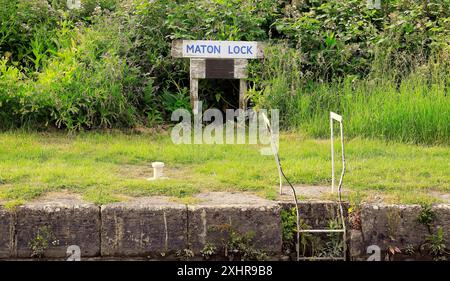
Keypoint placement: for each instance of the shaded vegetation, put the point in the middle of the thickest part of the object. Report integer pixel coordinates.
(108, 64)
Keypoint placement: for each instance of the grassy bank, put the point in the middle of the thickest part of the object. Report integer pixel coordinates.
(112, 167)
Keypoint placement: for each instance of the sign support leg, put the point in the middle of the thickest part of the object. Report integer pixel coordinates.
(194, 95)
(242, 94)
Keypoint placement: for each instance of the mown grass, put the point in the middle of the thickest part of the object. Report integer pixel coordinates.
(106, 167)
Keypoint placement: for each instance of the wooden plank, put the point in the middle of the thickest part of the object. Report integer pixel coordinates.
(242, 94)
(197, 68)
(194, 95)
(217, 49)
(240, 68)
(219, 69)
(177, 49)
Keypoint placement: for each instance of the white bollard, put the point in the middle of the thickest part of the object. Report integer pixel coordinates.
(158, 170)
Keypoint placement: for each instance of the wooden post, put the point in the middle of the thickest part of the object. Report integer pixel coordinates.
(242, 94)
(197, 71)
(194, 95)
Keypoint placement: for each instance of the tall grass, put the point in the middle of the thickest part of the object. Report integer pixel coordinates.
(413, 109)
(411, 113)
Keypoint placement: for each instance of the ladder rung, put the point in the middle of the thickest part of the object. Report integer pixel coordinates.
(322, 230)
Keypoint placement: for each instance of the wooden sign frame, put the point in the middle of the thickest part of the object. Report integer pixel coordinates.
(217, 60)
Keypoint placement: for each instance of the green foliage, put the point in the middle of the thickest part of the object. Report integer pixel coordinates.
(81, 86)
(185, 254)
(109, 64)
(334, 37)
(386, 71)
(413, 110)
(435, 243)
(339, 38)
(208, 250)
(426, 216)
(28, 27)
(240, 247)
(289, 226)
(156, 24)
(42, 241)
(309, 244)
(237, 246)
(334, 243)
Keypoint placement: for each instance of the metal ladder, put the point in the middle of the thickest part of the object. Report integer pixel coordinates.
(333, 117)
(338, 118)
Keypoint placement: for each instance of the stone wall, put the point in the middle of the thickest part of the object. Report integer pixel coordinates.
(385, 226)
(145, 227)
(155, 226)
(65, 222)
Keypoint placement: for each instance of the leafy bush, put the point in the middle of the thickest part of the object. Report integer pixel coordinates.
(339, 38)
(389, 81)
(81, 86)
(109, 65)
(334, 37)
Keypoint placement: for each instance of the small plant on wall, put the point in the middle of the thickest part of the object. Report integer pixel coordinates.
(240, 247)
(185, 254)
(310, 245)
(435, 244)
(393, 221)
(208, 251)
(426, 217)
(236, 246)
(334, 246)
(42, 241)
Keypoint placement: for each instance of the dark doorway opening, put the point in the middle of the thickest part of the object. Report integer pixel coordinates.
(222, 94)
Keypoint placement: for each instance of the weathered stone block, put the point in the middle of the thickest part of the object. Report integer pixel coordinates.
(219, 212)
(6, 233)
(356, 245)
(68, 223)
(397, 225)
(213, 223)
(317, 214)
(143, 227)
(391, 225)
(442, 212)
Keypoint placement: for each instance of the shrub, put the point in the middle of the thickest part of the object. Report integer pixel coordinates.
(82, 86)
(109, 65)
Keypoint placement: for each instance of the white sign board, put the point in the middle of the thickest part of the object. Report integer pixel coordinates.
(217, 49)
